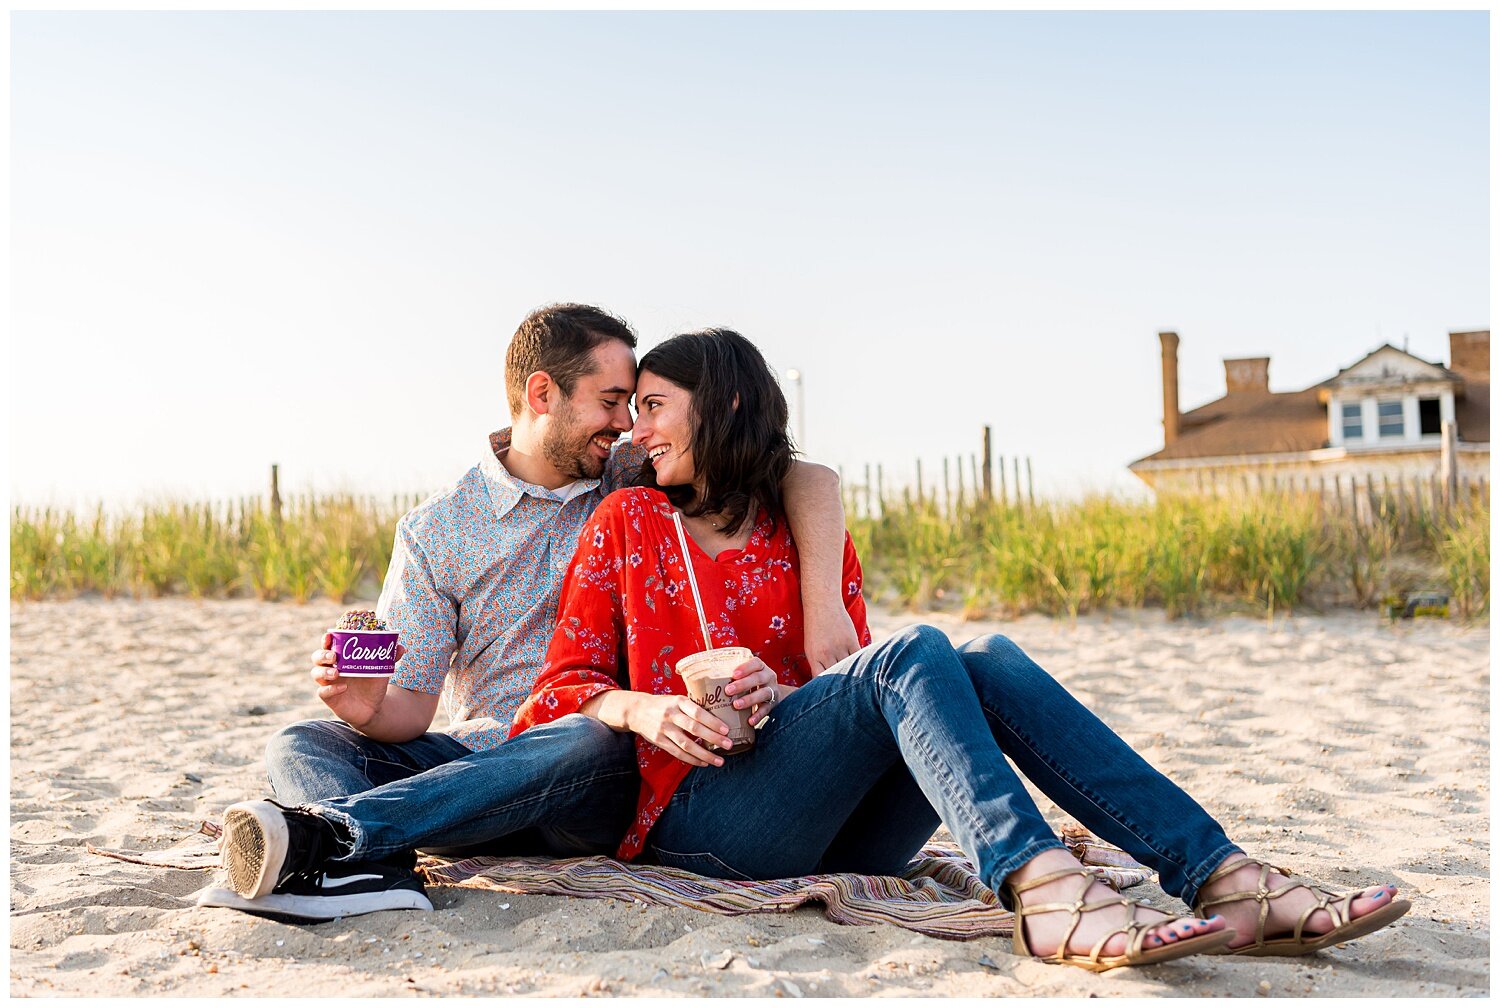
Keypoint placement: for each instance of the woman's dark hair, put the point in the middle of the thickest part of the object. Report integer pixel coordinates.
(739, 418)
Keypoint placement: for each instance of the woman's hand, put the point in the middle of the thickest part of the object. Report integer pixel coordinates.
(677, 725)
(755, 686)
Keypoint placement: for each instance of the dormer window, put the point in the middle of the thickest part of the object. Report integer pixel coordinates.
(1354, 424)
(1392, 419)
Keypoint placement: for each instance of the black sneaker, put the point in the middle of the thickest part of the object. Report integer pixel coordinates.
(264, 844)
(336, 889)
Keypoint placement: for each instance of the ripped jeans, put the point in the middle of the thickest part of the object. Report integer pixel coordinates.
(567, 788)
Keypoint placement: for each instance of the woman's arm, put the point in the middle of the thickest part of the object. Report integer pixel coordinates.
(670, 721)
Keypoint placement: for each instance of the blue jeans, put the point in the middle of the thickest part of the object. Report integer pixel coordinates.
(853, 771)
(563, 789)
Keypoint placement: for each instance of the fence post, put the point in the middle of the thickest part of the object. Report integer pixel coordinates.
(1448, 463)
(869, 491)
(880, 486)
(275, 496)
(1015, 464)
(947, 490)
(1004, 492)
(989, 480)
(919, 482)
(1030, 496)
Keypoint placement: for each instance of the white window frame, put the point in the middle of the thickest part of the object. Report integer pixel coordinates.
(1400, 418)
(1345, 408)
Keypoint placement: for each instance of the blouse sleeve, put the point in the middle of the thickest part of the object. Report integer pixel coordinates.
(854, 595)
(583, 656)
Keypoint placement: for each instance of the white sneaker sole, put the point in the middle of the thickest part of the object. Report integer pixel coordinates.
(255, 843)
(316, 908)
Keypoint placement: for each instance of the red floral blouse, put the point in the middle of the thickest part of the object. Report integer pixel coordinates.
(626, 600)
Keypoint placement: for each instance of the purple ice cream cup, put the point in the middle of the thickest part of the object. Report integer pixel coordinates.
(367, 653)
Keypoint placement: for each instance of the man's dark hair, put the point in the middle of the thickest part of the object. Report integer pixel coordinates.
(739, 416)
(559, 340)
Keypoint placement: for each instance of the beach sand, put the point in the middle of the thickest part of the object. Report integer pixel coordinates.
(1330, 744)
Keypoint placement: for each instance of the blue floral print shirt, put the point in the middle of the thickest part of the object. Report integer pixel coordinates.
(473, 586)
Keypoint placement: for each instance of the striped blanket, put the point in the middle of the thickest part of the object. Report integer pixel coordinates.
(939, 895)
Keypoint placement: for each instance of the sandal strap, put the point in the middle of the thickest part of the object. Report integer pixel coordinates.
(1261, 892)
(1338, 906)
(1041, 880)
(1134, 930)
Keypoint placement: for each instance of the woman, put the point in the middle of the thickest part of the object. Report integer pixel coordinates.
(852, 770)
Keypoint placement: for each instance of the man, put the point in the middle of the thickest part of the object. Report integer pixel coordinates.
(473, 587)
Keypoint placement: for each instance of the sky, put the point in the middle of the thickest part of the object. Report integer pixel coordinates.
(305, 239)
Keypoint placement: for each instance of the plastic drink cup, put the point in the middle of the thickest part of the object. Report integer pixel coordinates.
(706, 674)
(364, 653)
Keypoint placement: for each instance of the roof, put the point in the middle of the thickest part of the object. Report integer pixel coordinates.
(1250, 423)
(1269, 423)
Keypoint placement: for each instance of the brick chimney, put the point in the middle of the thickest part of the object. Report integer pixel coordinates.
(1469, 354)
(1171, 416)
(1247, 374)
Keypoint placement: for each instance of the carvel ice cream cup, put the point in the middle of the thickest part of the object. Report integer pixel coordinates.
(364, 653)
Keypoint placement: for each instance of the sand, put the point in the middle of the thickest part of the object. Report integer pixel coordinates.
(1331, 744)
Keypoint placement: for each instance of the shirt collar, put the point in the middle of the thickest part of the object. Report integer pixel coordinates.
(506, 489)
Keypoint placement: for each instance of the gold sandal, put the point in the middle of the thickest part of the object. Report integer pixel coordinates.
(1134, 930)
(1338, 906)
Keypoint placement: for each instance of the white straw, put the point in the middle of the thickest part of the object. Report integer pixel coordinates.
(687, 561)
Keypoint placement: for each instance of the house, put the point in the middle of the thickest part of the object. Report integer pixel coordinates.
(1380, 419)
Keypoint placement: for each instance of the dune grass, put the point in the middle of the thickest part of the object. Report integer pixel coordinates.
(1188, 556)
(335, 546)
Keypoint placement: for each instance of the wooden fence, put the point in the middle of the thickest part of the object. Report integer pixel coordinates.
(967, 480)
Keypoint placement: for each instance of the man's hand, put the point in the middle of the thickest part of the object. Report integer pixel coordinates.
(677, 725)
(830, 636)
(355, 700)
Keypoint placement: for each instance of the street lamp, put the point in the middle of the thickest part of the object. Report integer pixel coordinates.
(795, 377)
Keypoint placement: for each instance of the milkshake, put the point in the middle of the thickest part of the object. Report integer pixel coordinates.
(706, 675)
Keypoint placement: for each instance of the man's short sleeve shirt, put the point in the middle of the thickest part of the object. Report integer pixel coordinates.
(473, 586)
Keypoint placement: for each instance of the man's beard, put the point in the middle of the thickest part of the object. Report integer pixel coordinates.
(568, 450)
